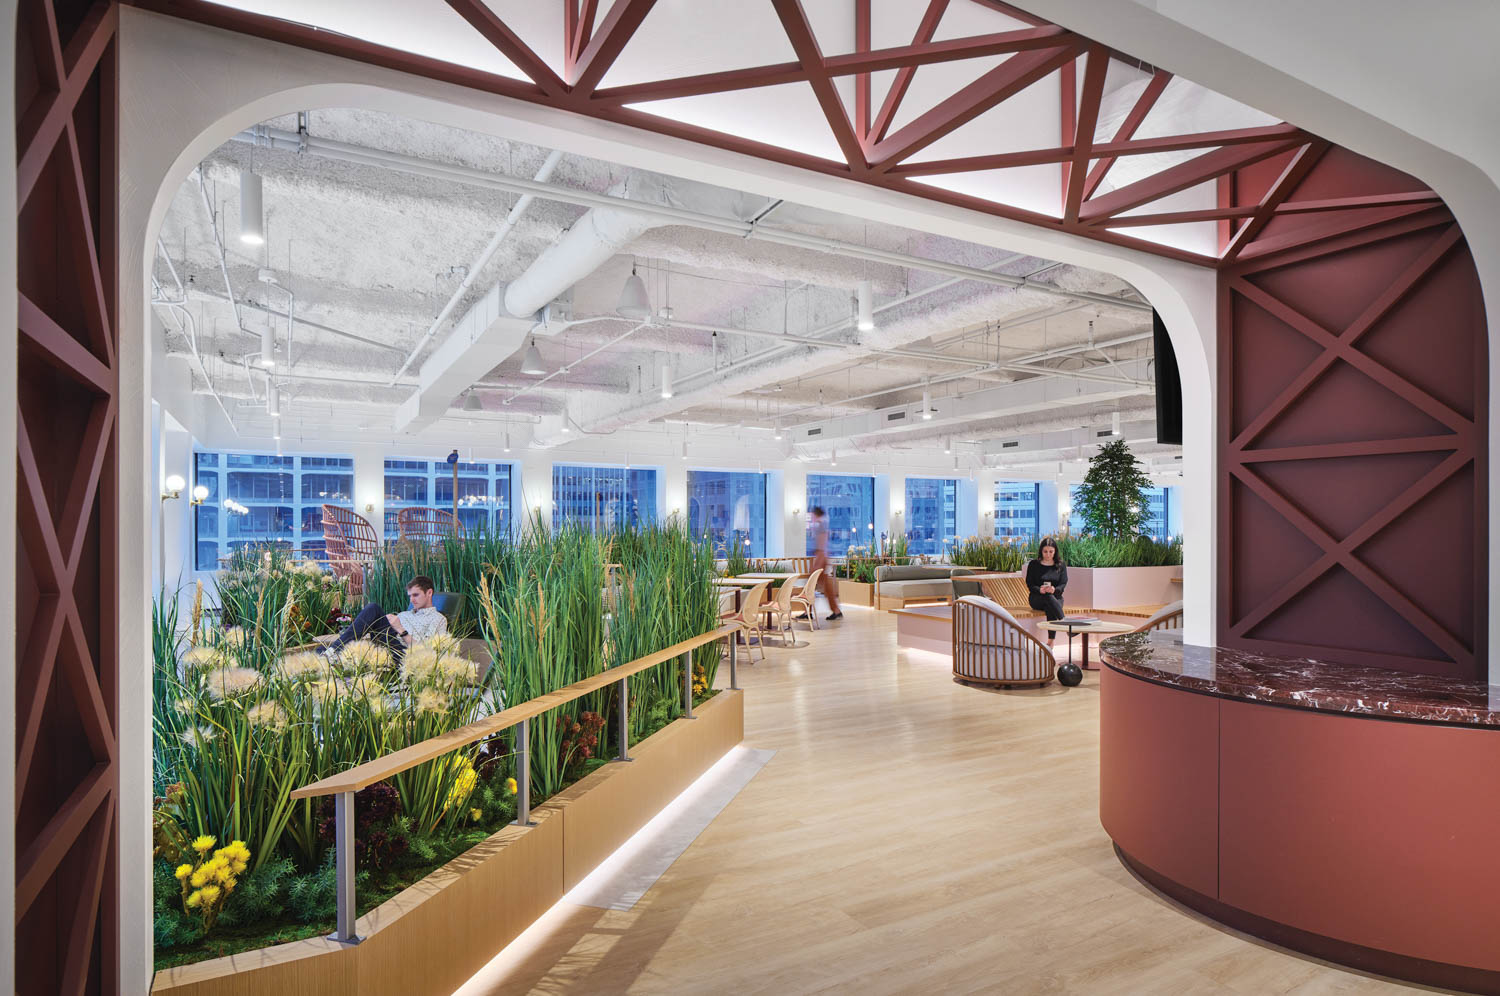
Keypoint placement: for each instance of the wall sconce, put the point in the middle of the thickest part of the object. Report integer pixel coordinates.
(175, 484)
(796, 512)
(369, 508)
(898, 511)
(677, 510)
(200, 495)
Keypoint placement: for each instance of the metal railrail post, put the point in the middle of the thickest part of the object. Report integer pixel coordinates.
(343, 842)
(733, 638)
(687, 685)
(624, 721)
(523, 771)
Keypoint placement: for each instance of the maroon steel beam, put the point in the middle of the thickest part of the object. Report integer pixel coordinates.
(1177, 217)
(999, 84)
(1360, 448)
(36, 142)
(799, 32)
(973, 164)
(1302, 163)
(1083, 141)
(1169, 181)
(1336, 227)
(1348, 203)
(498, 33)
(926, 28)
(608, 42)
(1067, 132)
(862, 81)
(1138, 112)
(951, 50)
(692, 86)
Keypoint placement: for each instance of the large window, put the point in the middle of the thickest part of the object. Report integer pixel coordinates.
(850, 504)
(728, 507)
(1018, 508)
(931, 514)
(258, 498)
(484, 496)
(603, 498)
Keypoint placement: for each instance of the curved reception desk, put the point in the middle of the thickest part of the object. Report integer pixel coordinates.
(1350, 813)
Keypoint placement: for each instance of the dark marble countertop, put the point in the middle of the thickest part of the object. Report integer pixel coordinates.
(1305, 683)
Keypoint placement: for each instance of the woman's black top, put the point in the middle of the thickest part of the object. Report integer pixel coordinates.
(1038, 574)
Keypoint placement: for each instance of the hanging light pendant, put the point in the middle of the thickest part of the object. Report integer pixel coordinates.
(634, 302)
(866, 295)
(926, 404)
(531, 363)
(666, 380)
(252, 213)
(471, 402)
(267, 346)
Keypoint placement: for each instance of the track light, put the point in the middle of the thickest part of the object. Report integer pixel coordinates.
(666, 380)
(947, 446)
(565, 427)
(634, 303)
(531, 363)
(833, 457)
(252, 214)
(471, 402)
(866, 297)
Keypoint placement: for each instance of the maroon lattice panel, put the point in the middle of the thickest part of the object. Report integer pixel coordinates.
(1352, 364)
(67, 577)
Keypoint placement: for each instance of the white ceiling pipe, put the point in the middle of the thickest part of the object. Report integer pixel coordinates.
(517, 210)
(213, 224)
(378, 383)
(670, 213)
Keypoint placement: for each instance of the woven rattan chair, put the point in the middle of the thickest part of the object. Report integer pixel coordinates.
(427, 526)
(1167, 617)
(991, 648)
(351, 542)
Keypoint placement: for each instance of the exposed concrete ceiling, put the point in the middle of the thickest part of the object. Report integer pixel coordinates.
(756, 329)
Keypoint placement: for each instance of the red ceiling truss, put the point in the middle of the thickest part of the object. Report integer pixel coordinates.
(872, 149)
(67, 591)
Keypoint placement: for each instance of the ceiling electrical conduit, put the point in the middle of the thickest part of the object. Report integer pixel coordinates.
(586, 356)
(291, 141)
(485, 255)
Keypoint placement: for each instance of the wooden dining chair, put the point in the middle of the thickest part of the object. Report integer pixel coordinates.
(749, 616)
(779, 611)
(807, 598)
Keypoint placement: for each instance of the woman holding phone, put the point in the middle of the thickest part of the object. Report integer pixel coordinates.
(1046, 577)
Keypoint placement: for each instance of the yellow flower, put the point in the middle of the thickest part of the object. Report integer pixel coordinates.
(510, 786)
(195, 899)
(210, 894)
(199, 879)
(475, 815)
(183, 871)
(203, 844)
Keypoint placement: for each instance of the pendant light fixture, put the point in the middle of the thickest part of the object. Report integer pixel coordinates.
(1114, 423)
(833, 457)
(666, 380)
(471, 401)
(507, 440)
(926, 404)
(273, 398)
(267, 346)
(531, 363)
(634, 302)
(252, 212)
(866, 298)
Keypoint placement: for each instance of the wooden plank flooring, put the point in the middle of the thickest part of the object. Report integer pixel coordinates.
(910, 835)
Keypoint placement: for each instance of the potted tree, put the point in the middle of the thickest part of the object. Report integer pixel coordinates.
(1112, 565)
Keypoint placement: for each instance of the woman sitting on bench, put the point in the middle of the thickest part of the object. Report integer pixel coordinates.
(1046, 577)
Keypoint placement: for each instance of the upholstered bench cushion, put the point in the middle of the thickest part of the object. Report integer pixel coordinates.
(933, 588)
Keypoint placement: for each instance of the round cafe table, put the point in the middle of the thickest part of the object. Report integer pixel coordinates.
(1071, 626)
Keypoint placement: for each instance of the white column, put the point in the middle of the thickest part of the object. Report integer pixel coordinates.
(671, 485)
(778, 511)
(369, 485)
(890, 504)
(793, 510)
(533, 492)
(177, 516)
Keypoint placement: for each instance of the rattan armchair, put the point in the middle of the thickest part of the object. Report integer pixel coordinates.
(1167, 617)
(427, 526)
(351, 543)
(991, 648)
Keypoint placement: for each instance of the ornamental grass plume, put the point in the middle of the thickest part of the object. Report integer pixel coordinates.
(201, 658)
(198, 611)
(233, 638)
(302, 666)
(227, 682)
(365, 656)
(267, 714)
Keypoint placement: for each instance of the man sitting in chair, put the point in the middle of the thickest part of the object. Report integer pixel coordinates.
(396, 630)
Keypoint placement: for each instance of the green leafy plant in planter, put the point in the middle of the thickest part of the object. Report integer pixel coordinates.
(1112, 498)
(736, 563)
(990, 554)
(1101, 551)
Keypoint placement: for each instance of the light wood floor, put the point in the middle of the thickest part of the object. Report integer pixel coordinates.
(910, 835)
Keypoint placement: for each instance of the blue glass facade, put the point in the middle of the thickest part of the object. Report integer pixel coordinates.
(258, 498)
(850, 504)
(1018, 508)
(728, 507)
(603, 498)
(931, 514)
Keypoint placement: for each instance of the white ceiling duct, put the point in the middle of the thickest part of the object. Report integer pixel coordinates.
(604, 232)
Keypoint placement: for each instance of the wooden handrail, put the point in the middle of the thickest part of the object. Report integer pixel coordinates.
(378, 770)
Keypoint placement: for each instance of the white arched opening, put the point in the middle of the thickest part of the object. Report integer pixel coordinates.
(186, 88)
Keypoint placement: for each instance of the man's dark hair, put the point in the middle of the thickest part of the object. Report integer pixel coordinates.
(421, 581)
(818, 510)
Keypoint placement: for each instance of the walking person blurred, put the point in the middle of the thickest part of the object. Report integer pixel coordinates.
(827, 583)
